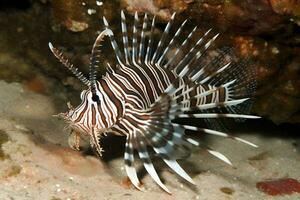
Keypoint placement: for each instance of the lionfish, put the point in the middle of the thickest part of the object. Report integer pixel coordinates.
(153, 84)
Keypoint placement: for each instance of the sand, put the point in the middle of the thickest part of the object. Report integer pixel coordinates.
(36, 162)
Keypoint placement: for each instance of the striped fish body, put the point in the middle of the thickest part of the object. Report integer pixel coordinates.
(151, 86)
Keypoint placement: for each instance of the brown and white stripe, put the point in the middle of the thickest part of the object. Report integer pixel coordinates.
(147, 90)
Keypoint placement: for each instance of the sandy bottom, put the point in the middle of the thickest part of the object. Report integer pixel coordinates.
(36, 162)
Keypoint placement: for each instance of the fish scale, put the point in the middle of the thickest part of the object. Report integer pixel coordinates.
(142, 96)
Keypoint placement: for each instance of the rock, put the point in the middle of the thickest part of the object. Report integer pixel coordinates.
(264, 31)
(286, 7)
(285, 91)
(160, 8)
(72, 14)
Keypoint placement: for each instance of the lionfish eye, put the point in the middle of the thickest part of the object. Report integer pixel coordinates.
(95, 98)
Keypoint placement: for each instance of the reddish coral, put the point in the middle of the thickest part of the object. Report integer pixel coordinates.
(279, 187)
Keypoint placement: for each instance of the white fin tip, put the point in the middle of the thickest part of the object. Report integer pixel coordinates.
(105, 21)
(122, 14)
(173, 16)
(107, 32)
(246, 142)
(207, 31)
(50, 45)
(220, 156)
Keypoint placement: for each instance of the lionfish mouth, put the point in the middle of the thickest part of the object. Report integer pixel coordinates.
(62, 115)
(66, 115)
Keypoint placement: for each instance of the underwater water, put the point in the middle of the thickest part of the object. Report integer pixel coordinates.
(36, 161)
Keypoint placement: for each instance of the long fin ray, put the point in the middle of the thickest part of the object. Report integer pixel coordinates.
(178, 169)
(114, 45)
(171, 43)
(125, 37)
(162, 40)
(217, 115)
(144, 156)
(59, 55)
(134, 38)
(182, 67)
(150, 42)
(129, 160)
(218, 133)
(171, 63)
(220, 156)
(142, 42)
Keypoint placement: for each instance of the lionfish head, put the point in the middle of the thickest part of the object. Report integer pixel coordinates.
(83, 117)
(75, 117)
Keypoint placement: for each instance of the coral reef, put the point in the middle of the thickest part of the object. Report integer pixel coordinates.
(35, 160)
(265, 31)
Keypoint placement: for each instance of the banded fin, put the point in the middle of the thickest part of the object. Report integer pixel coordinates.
(150, 43)
(95, 60)
(222, 69)
(114, 45)
(145, 158)
(155, 131)
(161, 42)
(143, 38)
(217, 115)
(171, 64)
(173, 164)
(237, 76)
(186, 65)
(129, 161)
(153, 125)
(220, 156)
(134, 39)
(218, 133)
(59, 55)
(125, 37)
(171, 44)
